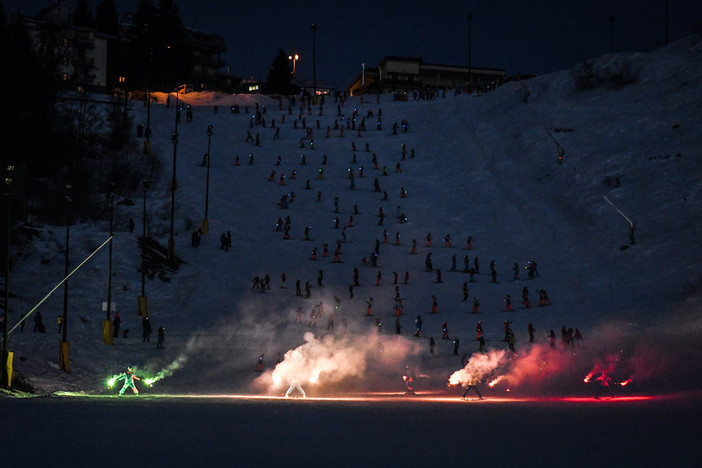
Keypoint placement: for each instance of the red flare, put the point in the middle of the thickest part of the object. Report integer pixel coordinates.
(626, 382)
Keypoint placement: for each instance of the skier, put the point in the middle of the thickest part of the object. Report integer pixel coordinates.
(511, 341)
(418, 326)
(295, 384)
(409, 379)
(259, 365)
(507, 330)
(444, 331)
(161, 338)
(604, 380)
(115, 323)
(472, 384)
(508, 303)
(146, 329)
(129, 378)
(431, 345)
(465, 292)
(427, 263)
(531, 331)
(552, 339)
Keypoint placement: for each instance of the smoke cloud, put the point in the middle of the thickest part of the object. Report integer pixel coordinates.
(330, 359)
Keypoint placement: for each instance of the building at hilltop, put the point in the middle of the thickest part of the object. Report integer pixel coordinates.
(408, 74)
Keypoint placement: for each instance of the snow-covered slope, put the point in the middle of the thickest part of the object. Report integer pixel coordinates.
(486, 167)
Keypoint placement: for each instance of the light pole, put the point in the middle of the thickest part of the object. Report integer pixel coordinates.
(666, 22)
(611, 34)
(145, 186)
(174, 140)
(63, 354)
(108, 306)
(5, 335)
(206, 223)
(141, 300)
(469, 17)
(294, 59)
(363, 77)
(314, 61)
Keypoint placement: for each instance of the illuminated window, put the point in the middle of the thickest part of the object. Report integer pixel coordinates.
(65, 77)
(65, 42)
(122, 79)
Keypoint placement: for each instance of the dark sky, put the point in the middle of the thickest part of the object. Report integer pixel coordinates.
(520, 36)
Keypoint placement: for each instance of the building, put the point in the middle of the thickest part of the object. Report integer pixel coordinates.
(83, 57)
(407, 74)
(206, 60)
(75, 56)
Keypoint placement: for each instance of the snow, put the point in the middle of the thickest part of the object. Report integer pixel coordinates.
(486, 167)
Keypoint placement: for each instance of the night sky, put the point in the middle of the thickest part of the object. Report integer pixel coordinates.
(520, 36)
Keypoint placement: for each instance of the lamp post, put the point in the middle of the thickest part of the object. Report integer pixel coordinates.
(314, 61)
(141, 300)
(666, 22)
(108, 306)
(145, 186)
(174, 140)
(469, 17)
(206, 223)
(611, 34)
(294, 59)
(363, 77)
(63, 353)
(5, 335)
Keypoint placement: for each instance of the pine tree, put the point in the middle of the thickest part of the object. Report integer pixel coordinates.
(106, 18)
(83, 16)
(280, 75)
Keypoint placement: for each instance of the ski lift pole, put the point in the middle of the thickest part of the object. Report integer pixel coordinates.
(26, 316)
(632, 225)
(561, 151)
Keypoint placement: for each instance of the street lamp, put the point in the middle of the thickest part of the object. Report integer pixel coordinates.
(314, 61)
(363, 77)
(206, 223)
(294, 58)
(5, 335)
(469, 17)
(63, 353)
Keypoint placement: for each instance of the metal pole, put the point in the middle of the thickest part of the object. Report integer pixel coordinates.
(145, 185)
(109, 264)
(314, 61)
(5, 335)
(64, 320)
(174, 140)
(469, 17)
(207, 186)
(666, 22)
